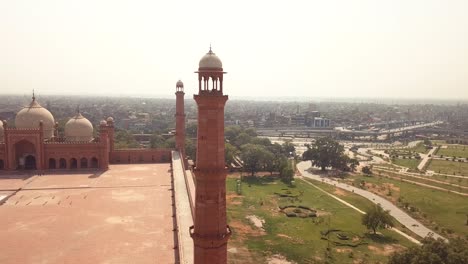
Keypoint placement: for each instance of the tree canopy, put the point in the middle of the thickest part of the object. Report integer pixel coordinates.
(434, 252)
(377, 218)
(327, 152)
(255, 157)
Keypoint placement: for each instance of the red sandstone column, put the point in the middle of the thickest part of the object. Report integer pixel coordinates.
(180, 118)
(103, 161)
(210, 232)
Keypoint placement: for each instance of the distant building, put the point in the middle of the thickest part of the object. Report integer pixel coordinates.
(320, 122)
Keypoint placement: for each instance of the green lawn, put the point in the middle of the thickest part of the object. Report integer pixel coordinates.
(454, 151)
(437, 209)
(299, 239)
(449, 167)
(420, 148)
(452, 180)
(409, 163)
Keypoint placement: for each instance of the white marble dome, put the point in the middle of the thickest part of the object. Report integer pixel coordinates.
(30, 117)
(210, 61)
(78, 128)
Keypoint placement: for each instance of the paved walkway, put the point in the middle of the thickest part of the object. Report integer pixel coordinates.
(402, 217)
(360, 211)
(426, 159)
(183, 210)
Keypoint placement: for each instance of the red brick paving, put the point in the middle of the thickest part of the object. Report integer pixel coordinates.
(121, 216)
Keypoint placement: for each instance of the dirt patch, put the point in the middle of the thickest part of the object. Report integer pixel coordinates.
(278, 259)
(340, 192)
(234, 199)
(343, 250)
(284, 236)
(241, 255)
(243, 230)
(256, 221)
(387, 250)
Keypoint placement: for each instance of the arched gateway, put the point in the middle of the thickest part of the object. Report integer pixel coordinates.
(25, 154)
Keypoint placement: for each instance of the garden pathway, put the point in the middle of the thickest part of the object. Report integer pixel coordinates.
(402, 217)
(426, 159)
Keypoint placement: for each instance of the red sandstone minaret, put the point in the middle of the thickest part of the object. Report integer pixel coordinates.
(210, 232)
(180, 118)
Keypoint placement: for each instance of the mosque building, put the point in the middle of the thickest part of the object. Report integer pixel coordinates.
(34, 143)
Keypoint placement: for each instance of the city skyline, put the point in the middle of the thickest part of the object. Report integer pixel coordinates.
(335, 50)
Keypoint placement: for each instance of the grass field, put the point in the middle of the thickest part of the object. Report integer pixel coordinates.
(299, 239)
(430, 180)
(449, 167)
(420, 148)
(452, 180)
(409, 163)
(454, 151)
(437, 209)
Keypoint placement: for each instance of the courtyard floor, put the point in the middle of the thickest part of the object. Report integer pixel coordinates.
(123, 215)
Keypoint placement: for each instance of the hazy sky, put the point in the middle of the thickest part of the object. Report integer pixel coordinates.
(326, 48)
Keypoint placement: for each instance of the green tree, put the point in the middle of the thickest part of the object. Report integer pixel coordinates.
(434, 252)
(366, 170)
(260, 141)
(190, 149)
(230, 153)
(170, 143)
(241, 140)
(191, 130)
(254, 157)
(286, 171)
(353, 163)
(376, 218)
(124, 139)
(326, 152)
(157, 141)
(288, 148)
(231, 132)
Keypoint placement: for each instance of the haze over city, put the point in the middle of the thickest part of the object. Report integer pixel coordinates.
(315, 49)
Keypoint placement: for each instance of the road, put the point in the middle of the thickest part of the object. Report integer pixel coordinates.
(402, 217)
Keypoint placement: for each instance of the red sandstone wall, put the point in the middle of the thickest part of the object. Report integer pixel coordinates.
(2, 156)
(68, 151)
(128, 156)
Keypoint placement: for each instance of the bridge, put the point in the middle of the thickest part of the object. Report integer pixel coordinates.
(308, 132)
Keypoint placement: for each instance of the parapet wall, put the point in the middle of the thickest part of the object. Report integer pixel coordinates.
(131, 156)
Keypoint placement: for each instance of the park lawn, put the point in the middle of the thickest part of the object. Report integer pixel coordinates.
(443, 210)
(449, 167)
(299, 239)
(419, 148)
(427, 180)
(408, 163)
(453, 180)
(352, 198)
(454, 151)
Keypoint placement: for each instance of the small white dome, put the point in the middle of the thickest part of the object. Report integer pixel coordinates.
(210, 61)
(78, 128)
(32, 115)
(179, 84)
(110, 119)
